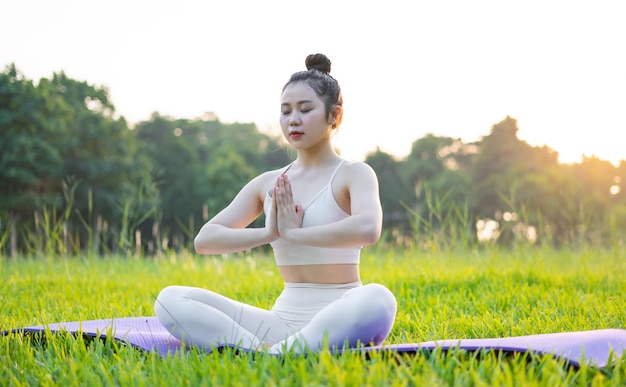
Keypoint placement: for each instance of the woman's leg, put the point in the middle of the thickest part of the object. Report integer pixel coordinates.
(363, 315)
(204, 318)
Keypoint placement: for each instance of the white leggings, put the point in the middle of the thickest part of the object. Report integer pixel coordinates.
(303, 317)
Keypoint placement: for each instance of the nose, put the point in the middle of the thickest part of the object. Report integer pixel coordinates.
(294, 119)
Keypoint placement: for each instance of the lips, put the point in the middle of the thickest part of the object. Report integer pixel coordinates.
(295, 135)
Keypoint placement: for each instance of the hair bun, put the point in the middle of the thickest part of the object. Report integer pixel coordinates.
(318, 62)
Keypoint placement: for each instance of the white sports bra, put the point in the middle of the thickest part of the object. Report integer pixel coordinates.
(323, 209)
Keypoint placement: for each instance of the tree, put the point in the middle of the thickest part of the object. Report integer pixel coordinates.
(437, 170)
(199, 166)
(32, 123)
(511, 177)
(62, 149)
(114, 190)
(395, 192)
(594, 179)
(226, 173)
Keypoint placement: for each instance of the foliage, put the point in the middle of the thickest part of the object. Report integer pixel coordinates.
(75, 179)
(110, 187)
(394, 190)
(30, 154)
(100, 157)
(199, 166)
(60, 136)
(521, 189)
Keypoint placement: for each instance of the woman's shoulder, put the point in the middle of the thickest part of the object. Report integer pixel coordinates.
(356, 172)
(357, 167)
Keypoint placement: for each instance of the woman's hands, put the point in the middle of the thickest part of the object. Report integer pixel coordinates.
(227, 232)
(286, 215)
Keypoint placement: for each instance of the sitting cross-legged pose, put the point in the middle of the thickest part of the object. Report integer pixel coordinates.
(319, 212)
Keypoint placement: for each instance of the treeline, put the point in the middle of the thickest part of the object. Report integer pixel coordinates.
(75, 178)
(501, 189)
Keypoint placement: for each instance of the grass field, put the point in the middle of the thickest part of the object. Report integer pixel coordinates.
(441, 295)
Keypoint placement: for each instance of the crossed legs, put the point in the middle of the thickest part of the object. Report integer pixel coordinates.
(197, 316)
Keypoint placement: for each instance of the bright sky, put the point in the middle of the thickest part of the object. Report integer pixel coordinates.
(407, 68)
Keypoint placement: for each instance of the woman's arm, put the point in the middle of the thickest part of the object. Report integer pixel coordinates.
(226, 232)
(362, 227)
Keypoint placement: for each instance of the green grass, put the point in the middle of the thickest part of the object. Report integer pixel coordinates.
(441, 295)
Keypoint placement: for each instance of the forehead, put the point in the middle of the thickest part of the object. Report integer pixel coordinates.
(299, 92)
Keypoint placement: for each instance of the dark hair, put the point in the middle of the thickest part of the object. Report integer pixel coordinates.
(317, 77)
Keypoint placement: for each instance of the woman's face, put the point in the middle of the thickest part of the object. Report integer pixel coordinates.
(303, 117)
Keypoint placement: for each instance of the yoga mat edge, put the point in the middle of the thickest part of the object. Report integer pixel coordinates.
(593, 347)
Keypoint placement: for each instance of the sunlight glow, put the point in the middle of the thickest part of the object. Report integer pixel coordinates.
(487, 230)
(446, 68)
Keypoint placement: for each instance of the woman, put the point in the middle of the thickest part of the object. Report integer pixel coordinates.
(319, 210)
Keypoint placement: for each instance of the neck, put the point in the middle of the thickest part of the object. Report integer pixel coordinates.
(317, 156)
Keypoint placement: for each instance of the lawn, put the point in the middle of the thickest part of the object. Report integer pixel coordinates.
(475, 293)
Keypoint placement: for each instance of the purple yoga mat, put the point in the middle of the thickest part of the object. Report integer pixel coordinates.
(592, 347)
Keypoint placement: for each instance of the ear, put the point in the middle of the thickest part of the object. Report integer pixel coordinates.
(335, 116)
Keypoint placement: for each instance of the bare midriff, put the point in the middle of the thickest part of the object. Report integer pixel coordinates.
(321, 274)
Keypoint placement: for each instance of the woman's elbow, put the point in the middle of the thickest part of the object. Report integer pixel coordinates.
(202, 243)
(198, 245)
(371, 234)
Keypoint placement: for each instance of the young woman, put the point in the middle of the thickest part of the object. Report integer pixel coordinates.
(319, 210)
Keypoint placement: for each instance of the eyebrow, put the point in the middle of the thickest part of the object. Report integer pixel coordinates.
(298, 102)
